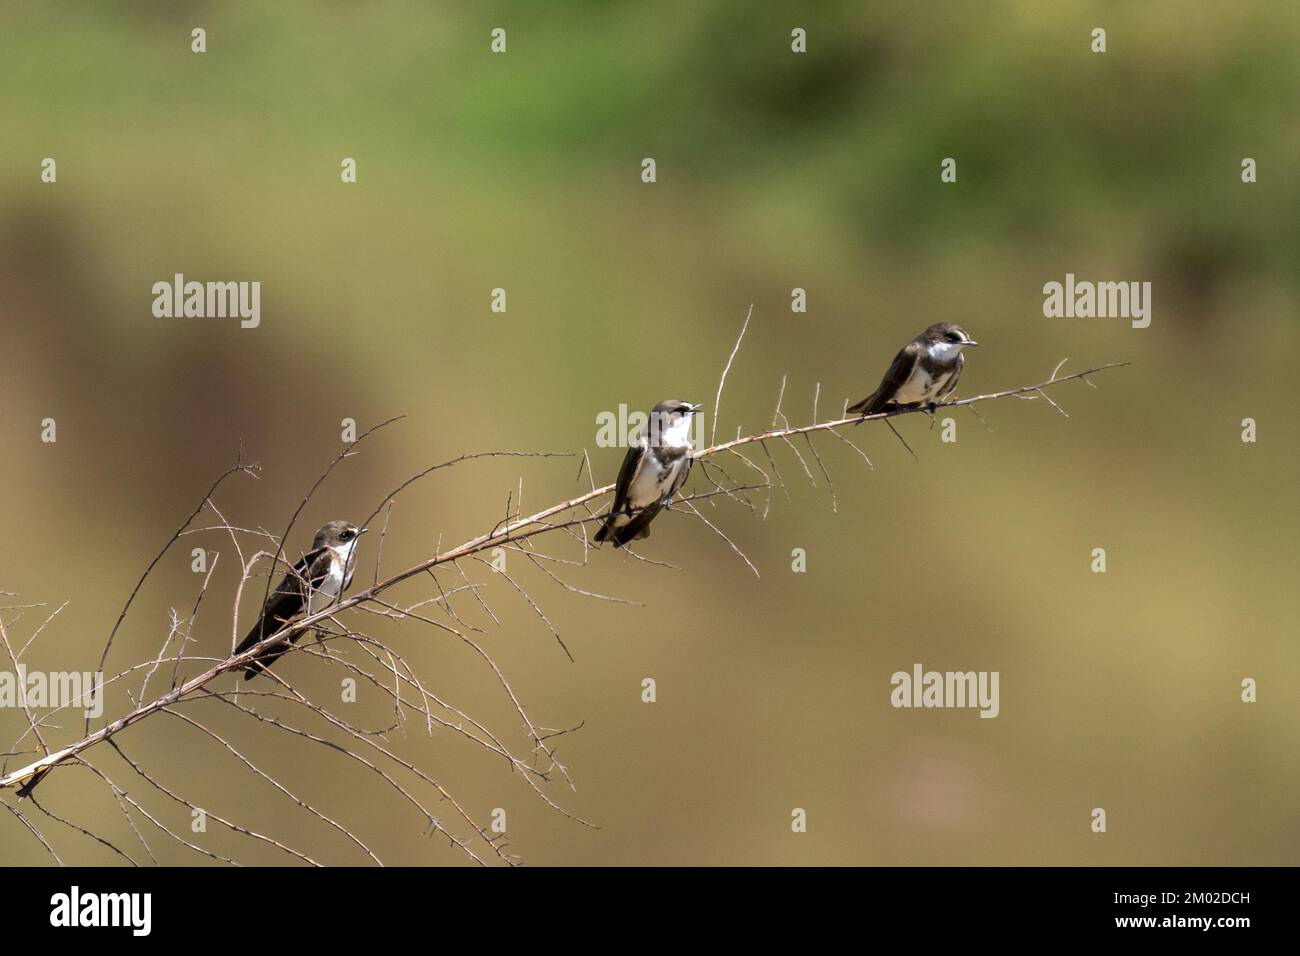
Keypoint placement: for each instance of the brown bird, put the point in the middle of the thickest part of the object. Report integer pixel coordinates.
(654, 470)
(313, 585)
(923, 373)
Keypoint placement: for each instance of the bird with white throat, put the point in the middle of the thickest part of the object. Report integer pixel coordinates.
(923, 373)
(654, 470)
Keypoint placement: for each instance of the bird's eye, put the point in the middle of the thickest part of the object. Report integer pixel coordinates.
(345, 535)
(953, 337)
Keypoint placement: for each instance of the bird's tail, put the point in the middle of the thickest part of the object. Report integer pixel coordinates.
(635, 529)
(869, 405)
(267, 626)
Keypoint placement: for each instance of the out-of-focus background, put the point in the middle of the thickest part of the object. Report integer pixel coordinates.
(775, 171)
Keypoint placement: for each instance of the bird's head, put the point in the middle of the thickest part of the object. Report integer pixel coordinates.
(670, 422)
(945, 340)
(339, 535)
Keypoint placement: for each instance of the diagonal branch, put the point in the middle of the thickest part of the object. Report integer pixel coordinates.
(513, 531)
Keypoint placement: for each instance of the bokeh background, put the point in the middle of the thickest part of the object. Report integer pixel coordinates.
(775, 171)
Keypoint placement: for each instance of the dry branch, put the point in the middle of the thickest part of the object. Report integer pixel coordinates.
(384, 667)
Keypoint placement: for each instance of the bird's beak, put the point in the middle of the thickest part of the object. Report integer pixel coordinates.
(361, 531)
(697, 408)
(970, 342)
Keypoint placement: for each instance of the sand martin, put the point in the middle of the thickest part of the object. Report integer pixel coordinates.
(923, 373)
(314, 583)
(654, 470)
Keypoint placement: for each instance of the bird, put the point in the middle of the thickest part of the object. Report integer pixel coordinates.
(654, 470)
(313, 584)
(923, 373)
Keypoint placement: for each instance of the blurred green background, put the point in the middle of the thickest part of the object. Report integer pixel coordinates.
(775, 171)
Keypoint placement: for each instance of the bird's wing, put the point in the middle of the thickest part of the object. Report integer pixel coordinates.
(899, 372)
(627, 473)
(289, 597)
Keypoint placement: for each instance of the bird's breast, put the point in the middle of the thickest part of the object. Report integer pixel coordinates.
(918, 387)
(925, 383)
(330, 587)
(652, 481)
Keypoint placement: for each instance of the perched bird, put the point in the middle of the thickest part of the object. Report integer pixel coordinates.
(654, 469)
(314, 583)
(924, 372)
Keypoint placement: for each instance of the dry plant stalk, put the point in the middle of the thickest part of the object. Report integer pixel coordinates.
(381, 665)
